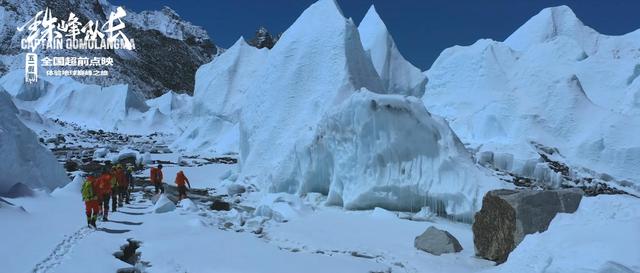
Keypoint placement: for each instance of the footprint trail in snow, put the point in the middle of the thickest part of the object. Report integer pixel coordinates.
(61, 250)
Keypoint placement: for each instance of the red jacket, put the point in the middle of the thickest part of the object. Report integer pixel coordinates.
(104, 184)
(181, 179)
(156, 176)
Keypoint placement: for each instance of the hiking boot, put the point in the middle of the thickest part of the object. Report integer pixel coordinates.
(93, 223)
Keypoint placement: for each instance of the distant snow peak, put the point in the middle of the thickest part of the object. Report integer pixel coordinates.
(551, 23)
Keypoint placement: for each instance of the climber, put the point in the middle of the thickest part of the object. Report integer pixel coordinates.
(130, 183)
(180, 181)
(123, 184)
(156, 178)
(90, 198)
(104, 192)
(114, 188)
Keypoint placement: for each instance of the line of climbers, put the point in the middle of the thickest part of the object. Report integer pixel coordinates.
(112, 184)
(115, 184)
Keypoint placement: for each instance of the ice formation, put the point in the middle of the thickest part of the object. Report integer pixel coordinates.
(397, 74)
(218, 98)
(554, 82)
(24, 159)
(308, 127)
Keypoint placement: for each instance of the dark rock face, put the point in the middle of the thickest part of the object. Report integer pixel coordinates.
(263, 39)
(220, 205)
(508, 215)
(161, 61)
(437, 242)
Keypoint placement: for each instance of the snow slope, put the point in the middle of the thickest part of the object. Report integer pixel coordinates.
(111, 108)
(177, 107)
(544, 85)
(398, 75)
(24, 159)
(607, 70)
(219, 96)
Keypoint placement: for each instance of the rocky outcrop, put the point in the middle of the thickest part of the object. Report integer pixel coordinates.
(168, 51)
(508, 215)
(263, 39)
(437, 242)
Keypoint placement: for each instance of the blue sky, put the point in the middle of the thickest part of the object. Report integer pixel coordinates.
(422, 29)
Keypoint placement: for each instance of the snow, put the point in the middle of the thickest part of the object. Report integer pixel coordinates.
(607, 69)
(24, 159)
(323, 123)
(127, 153)
(317, 63)
(206, 176)
(178, 107)
(388, 151)
(100, 153)
(163, 205)
(219, 95)
(277, 107)
(188, 205)
(502, 97)
(398, 75)
(168, 22)
(111, 108)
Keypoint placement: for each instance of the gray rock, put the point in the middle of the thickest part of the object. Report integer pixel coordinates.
(436, 242)
(508, 215)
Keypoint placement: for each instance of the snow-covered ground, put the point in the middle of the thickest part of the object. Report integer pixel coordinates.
(328, 159)
(50, 237)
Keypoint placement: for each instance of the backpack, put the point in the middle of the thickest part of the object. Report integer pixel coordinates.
(87, 190)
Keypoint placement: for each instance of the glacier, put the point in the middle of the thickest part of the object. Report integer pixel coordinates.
(308, 125)
(112, 108)
(279, 109)
(24, 159)
(553, 83)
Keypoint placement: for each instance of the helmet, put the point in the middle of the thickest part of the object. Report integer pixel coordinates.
(159, 166)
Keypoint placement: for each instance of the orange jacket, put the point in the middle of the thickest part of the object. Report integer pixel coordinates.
(181, 179)
(156, 175)
(121, 178)
(104, 184)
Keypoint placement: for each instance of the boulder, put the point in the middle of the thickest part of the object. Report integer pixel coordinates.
(163, 205)
(508, 215)
(437, 242)
(220, 205)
